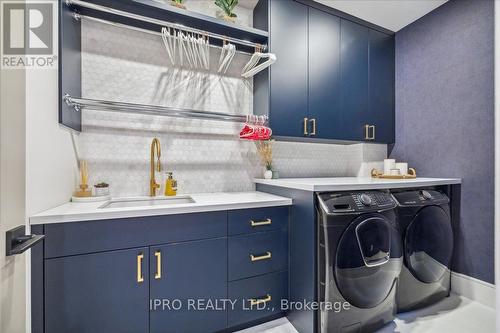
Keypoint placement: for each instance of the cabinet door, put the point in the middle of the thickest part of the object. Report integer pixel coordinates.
(354, 76)
(288, 78)
(183, 274)
(101, 292)
(382, 86)
(324, 75)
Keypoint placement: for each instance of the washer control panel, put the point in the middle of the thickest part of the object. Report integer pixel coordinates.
(349, 202)
(420, 198)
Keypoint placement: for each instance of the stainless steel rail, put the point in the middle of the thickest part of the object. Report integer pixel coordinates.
(112, 106)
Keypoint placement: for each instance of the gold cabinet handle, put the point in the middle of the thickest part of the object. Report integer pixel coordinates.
(158, 265)
(257, 301)
(367, 132)
(313, 121)
(262, 257)
(140, 277)
(260, 223)
(373, 132)
(305, 126)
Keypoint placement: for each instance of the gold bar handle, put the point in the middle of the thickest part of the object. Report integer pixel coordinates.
(262, 257)
(260, 223)
(158, 265)
(373, 132)
(140, 277)
(257, 301)
(313, 121)
(305, 126)
(367, 132)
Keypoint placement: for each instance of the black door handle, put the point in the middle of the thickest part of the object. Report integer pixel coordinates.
(17, 241)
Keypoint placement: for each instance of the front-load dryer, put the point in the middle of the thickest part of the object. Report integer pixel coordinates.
(359, 260)
(427, 236)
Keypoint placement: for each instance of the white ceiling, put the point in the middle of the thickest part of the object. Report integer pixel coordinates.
(390, 14)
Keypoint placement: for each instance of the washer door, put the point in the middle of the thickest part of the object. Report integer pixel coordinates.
(429, 244)
(368, 261)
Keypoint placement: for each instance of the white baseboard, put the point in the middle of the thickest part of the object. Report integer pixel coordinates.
(473, 289)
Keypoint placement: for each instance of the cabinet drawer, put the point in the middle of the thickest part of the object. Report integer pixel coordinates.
(256, 254)
(267, 290)
(246, 221)
(65, 239)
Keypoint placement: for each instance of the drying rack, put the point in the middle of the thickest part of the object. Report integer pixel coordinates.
(149, 17)
(154, 21)
(112, 106)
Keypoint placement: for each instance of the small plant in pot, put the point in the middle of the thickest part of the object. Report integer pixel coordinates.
(178, 4)
(101, 189)
(227, 7)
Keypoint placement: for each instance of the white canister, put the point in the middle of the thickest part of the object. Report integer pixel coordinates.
(403, 168)
(389, 164)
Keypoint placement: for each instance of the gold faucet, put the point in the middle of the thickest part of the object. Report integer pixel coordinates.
(153, 185)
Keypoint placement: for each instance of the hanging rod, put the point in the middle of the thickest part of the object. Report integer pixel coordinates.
(112, 106)
(133, 16)
(78, 16)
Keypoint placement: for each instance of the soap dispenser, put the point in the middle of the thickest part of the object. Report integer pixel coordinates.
(170, 185)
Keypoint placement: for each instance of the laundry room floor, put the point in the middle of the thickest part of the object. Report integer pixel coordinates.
(455, 314)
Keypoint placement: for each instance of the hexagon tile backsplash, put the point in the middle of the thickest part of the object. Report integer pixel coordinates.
(205, 156)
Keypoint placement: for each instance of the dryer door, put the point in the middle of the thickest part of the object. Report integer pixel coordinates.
(368, 260)
(429, 244)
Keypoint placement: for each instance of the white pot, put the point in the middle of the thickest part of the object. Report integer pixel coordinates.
(268, 174)
(101, 191)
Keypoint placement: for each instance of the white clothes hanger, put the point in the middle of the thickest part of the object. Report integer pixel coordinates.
(254, 70)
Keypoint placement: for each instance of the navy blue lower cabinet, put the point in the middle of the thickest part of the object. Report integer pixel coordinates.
(105, 292)
(188, 286)
(257, 297)
(258, 253)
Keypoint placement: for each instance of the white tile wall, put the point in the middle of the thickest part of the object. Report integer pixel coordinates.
(205, 156)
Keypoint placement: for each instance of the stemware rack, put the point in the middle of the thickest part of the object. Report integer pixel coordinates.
(145, 16)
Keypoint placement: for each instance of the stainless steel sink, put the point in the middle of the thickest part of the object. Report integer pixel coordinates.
(145, 202)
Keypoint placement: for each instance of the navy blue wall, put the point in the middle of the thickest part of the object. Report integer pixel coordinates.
(444, 116)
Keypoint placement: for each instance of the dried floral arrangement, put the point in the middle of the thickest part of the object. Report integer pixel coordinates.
(265, 150)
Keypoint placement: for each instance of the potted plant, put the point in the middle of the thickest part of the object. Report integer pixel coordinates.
(265, 150)
(227, 7)
(101, 189)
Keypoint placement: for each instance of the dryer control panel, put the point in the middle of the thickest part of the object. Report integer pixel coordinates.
(363, 201)
(420, 198)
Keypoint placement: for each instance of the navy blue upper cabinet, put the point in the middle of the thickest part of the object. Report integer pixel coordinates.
(334, 77)
(382, 89)
(188, 271)
(354, 77)
(102, 292)
(288, 76)
(325, 117)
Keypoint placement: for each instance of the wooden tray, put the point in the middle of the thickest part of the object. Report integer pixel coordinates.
(378, 174)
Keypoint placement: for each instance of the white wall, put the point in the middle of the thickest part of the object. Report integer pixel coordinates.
(12, 197)
(38, 171)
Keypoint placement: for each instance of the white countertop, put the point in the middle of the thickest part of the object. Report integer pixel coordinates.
(206, 202)
(354, 183)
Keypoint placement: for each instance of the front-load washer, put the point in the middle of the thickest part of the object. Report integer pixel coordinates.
(359, 260)
(427, 236)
